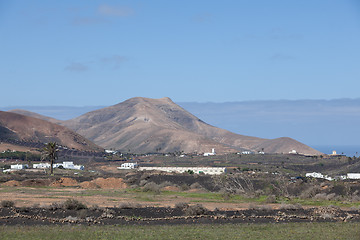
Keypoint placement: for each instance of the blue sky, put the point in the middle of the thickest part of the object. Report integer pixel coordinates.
(81, 53)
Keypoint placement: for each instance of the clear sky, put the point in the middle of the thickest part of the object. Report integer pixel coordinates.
(80, 53)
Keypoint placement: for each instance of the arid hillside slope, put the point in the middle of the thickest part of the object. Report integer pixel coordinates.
(159, 125)
(144, 125)
(20, 128)
(36, 115)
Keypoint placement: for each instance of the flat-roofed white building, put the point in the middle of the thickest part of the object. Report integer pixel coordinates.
(41, 165)
(128, 166)
(212, 153)
(197, 170)
(69, 165)
(353, 176)
(19, 166)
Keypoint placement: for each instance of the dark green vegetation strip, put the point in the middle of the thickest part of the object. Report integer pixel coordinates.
(301, 231)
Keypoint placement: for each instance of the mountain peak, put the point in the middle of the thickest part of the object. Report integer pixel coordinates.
(146, 125)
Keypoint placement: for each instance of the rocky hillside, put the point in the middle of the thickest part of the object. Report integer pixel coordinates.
(16, 128)
(159, 125)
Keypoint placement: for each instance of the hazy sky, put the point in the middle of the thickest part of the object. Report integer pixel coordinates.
(77, 53)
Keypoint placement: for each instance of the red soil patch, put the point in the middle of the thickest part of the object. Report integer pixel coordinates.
(65, 182)
(12, 183)
(88, 184)
(106, 183)
(36, 183)
(171, 188)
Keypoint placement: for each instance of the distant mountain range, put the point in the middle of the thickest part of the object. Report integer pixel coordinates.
(143, 125)
(318, 123)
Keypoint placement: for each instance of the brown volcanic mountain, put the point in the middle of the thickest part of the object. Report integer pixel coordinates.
(16, 127)
(150, 125)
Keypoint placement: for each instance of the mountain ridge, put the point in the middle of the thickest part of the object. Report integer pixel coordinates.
(16, 127)
(144, 124)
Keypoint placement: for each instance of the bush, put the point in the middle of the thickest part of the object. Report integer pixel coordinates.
(310, 192)
(82, 213)
(7, 204)
(226, 196)
(260, 207)
(73, 204)
(142, 183)
(152, 187)
(271, 199)
(290, 206)
(324, 196)
(55, 206)
(184, 187)
(128, 205)
(197, 209)
(181, 205)
(166, 184)
(94, 208)
(196, 185)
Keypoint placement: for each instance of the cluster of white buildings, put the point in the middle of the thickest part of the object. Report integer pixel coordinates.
(19, 166)
(318, 175)
(351, 176)
(65, 165)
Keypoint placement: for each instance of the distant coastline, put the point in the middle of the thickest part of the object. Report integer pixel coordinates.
(350, 150)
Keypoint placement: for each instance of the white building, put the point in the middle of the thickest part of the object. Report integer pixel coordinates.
(318, 175)
(41, 165)
(246, 152)
(110, 151)
(128, 166)
(293, 152)
(334, 153)
(69, 165)
(210, 154)
(19, 166)
(353, 176)
(205, 170)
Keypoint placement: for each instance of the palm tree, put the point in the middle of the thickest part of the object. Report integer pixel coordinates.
(50, 151)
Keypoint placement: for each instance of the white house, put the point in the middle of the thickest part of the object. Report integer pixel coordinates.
(293, 152)
(41, 165)
(69, 165)
(110, 151)
(245, 152)
(128, 166)
(353, 176)
(210, 154)
(318, 175)
(19, 166)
